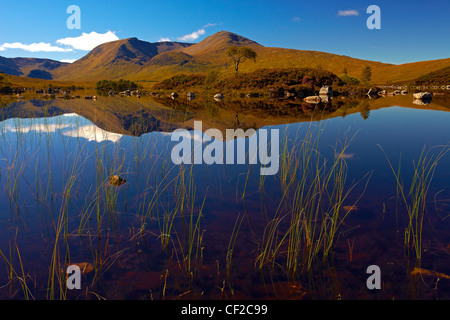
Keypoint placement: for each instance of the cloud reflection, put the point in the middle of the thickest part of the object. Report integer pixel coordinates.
(93, 133)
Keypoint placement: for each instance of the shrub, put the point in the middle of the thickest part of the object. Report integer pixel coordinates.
(120, 85)
(349, 79)
(181, 81)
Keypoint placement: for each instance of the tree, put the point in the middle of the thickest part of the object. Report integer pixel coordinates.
(366, 75)
(240, 55)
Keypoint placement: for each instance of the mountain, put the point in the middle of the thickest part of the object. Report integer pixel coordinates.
(30, 67)
(211, 52)
(116, 59)
(135, 59)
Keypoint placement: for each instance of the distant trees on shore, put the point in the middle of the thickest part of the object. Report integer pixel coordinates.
(120, 85)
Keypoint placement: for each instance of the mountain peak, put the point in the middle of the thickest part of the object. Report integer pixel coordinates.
(231, 36)
(219, 42)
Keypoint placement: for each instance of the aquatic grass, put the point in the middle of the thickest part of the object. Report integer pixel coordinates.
(12, 273)
(61, 229)
(310, 212)
(181, 226)
(230, 250)
(415, 197)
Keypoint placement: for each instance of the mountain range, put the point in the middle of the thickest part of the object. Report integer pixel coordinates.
(135, 59)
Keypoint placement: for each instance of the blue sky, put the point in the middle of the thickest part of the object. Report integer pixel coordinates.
(410, 30)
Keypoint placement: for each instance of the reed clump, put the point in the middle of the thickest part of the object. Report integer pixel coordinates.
(414, 196)
(311, 211)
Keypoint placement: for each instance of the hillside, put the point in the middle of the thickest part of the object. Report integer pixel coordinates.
(408, 71)
(211, 52)
(435, 78)
(307, 80)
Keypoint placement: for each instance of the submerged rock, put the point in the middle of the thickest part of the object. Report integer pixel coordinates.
(116, 180)
(85, 267)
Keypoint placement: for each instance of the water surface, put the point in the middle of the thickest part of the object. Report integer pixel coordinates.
(197, 231)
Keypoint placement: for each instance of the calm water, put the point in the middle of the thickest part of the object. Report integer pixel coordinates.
(196, 232)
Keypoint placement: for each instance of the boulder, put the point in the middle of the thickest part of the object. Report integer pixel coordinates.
(288, 94)
(312, 99)
(190, 96)
(422, 95)
(326, 91)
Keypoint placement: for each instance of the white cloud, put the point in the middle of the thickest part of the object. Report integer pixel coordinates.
(34, 47)
(196, 34)
(296, 19)
(164, 40)
(68, 60)
(88, 41)
(192, 36)
(346, 13)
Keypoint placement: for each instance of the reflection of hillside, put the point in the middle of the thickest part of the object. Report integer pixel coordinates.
(132, 116)
(437, 103)
(118, 115)
(252, 112)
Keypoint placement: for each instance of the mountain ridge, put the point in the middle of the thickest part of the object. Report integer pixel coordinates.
(28, 66)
